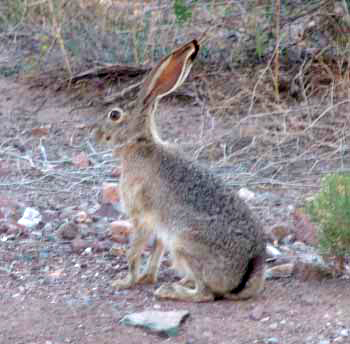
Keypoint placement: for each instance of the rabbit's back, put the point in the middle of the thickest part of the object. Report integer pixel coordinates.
(183, 193)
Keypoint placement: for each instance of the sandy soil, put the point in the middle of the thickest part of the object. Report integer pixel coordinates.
(52, 295)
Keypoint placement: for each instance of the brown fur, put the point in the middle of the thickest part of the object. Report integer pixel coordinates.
(213, 238)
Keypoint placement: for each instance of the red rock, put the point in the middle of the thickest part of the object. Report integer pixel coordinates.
(120, 231)
(40, 132)
(81, 160)
(110, 193)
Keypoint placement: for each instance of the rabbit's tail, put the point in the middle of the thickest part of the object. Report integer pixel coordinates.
(252, 281)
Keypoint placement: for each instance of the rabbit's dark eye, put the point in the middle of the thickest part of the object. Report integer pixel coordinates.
(114, 115)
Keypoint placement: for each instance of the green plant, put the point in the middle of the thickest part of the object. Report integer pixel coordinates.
(182, 11)
(330, 209)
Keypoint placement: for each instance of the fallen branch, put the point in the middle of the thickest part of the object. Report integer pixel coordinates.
(115, 70)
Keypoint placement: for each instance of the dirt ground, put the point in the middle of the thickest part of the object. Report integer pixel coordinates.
(50, 294)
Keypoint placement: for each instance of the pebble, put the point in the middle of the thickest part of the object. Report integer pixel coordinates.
(81, 160)
(119, 231)
(246, 194)
(344, 332)
(68, 231)
(324, 341)
(273, 326)
(272, 251)
(257, 313)
(30, 218)
(82, 217)
(110, 193)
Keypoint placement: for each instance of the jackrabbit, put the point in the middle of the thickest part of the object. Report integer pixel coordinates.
(213, 239)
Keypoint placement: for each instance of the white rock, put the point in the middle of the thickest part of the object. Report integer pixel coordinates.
(157, 321)
(30, 218)
(246, 194)
(344, 332)
(272, 251)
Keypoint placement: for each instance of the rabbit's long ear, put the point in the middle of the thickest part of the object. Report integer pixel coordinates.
(170, 72)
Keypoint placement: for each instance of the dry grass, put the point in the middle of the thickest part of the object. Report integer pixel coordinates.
(274, 108)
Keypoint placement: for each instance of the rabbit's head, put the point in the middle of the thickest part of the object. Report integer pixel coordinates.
(137, 123)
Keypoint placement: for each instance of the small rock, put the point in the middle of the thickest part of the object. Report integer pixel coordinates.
(82, 217)
(30, 218)
(79, 245)
(87, 251)
(344, 332)
(81, 160)
(119, 231)
(167, 323)
(40, 132)
(68, 231)
(280, 271)
(257, 313)
(272, 251)
(110, 193)
(273, 326)
(246, 194)
(279, 232)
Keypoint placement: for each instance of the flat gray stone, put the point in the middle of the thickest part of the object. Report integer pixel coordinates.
(160, 322)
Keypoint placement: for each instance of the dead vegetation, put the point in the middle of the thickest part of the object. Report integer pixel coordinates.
(273, 95)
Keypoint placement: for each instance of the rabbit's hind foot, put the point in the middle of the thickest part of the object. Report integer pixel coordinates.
(176, 291)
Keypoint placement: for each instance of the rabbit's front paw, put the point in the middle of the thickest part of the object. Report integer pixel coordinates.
(124, 283)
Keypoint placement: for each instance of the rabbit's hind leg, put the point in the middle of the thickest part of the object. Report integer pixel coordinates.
(178, 291)
(254, 283)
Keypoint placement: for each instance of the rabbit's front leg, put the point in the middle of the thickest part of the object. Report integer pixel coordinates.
(149, 276)
(139, 240)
